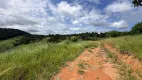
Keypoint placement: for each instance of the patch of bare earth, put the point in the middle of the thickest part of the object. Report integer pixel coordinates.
(135, 64)
(92, 64)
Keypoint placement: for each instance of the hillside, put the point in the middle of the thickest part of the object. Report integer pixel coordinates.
(6, 33)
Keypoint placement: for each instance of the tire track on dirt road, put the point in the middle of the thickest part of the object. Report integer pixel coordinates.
(92, 64)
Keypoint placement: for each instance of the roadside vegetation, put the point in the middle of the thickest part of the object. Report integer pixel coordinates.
(130, 45)
(124, 71)
(40, 60)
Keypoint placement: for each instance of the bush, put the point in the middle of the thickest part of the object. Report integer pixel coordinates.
(27, 40)
(137, 29)
(23, 40)
(74, 39)
(56, 38)
(113, 34)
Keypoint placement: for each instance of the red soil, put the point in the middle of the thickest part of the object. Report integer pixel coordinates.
(96, 65)
(127, 59)
(130, 60)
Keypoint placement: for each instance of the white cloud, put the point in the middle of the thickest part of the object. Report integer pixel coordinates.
(75, 22)
(133, 16)
(44, 17)
(29, 15)
(119, 6)
(21, 12)
(66, 9)
(120, 24)
(90, 17)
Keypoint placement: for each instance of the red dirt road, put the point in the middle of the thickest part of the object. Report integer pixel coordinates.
(90, 65)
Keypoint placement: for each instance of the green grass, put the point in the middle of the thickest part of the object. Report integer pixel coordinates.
(81, 72)
(37, 61)
(81, 65)
(109, 55)
(7, 44)
(128, 45)
(126, 72)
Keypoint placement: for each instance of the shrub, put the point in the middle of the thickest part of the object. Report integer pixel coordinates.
(74, 39)
(27, 40)
(137, 29)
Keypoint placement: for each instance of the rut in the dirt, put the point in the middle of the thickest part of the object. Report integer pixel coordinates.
(92, 64)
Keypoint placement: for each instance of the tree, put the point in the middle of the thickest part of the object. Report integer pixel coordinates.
(137, 29)
(137, 2)
(113, 33)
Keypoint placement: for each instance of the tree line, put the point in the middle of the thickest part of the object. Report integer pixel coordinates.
(28, 38)
(137, 29)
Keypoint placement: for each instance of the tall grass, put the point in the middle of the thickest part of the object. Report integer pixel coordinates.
(37, 61)
(128, 44)
(7, 44)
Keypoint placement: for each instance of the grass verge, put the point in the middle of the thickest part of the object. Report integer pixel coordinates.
(124, 70)
(38, 61)
(130, 45)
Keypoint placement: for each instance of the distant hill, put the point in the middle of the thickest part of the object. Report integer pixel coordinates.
(6, 33)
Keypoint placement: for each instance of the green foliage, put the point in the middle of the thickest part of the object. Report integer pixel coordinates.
(81, 72)
(92, 45)
(130, 45)
(137, 29)
(113, 34)
(10, 33)
(40, 60)
(113, 56)
(109, 55)
(6, 45)
(81, 65)
(27, 40)
(137, 2)
(74, 39)
(56, 38)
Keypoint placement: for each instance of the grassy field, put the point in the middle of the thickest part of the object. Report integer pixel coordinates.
(7, 44)
(38, 61)
(128, 45)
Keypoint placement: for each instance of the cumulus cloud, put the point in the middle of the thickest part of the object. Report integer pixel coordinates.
(90, 17)
(66, 9)
(119, 6)
(15, 20)
(132, 16)
(21, 12)
(75, 22)
(30, 16)
(120, 24)
(46, 17)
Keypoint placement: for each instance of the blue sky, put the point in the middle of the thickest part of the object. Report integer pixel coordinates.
(68, 16)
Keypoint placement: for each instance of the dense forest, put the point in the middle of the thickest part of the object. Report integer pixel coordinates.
(9, 33)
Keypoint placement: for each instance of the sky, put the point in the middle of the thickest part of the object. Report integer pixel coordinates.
(69, 16)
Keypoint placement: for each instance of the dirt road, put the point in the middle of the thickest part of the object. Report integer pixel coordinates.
(92, 64)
